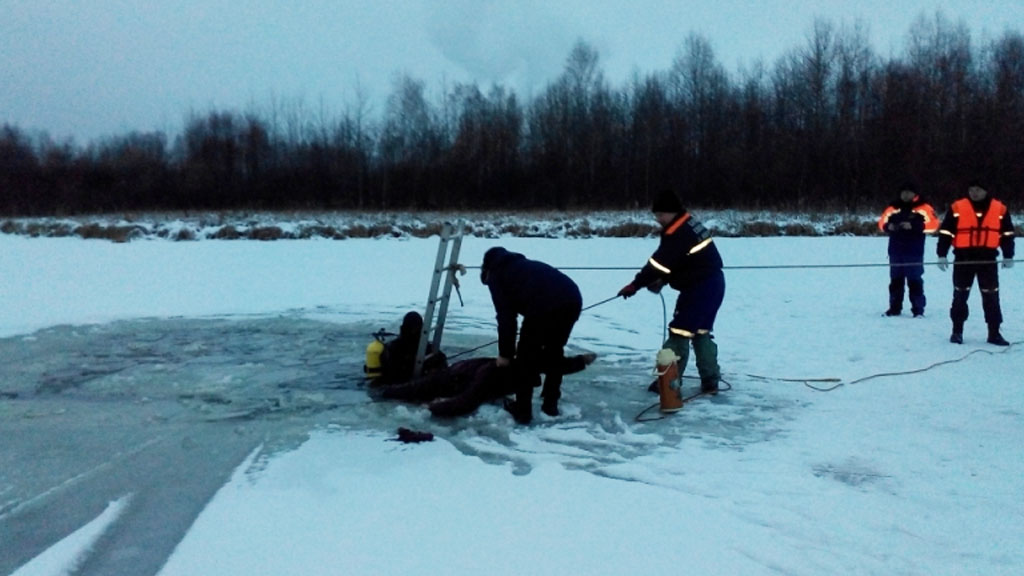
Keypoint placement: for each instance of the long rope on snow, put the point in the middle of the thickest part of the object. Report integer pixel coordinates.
(808, 382)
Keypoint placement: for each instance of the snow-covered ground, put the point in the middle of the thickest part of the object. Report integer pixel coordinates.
(909, 463)
(375, 224)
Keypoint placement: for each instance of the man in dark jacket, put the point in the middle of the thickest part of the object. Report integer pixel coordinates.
(688, 261)
(977, 227)
(462, 387)
(550, 303)
(906, 221)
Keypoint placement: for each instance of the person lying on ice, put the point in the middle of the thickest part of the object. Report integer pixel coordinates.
(462, 387)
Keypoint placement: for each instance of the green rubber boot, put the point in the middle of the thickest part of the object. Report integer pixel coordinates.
(705, 351)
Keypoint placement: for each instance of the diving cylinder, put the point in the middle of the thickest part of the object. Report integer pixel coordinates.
(374, 349)
(670, 395)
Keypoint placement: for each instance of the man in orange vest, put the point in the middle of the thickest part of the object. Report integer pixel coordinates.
(906, 221)
(977, 227)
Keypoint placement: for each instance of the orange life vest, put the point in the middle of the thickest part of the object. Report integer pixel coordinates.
(975, 230)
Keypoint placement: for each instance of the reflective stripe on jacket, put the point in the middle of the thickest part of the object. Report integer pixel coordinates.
(915, 207)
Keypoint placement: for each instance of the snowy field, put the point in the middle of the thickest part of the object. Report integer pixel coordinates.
(227, 375)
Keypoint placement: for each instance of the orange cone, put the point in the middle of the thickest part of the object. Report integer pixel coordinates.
(671, 397)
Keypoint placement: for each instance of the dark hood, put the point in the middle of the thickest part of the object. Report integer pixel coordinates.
(495, 259)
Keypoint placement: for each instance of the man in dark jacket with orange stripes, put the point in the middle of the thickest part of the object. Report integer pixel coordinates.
(977, 227)
(687, 260)
(906, 221)
(550, 303)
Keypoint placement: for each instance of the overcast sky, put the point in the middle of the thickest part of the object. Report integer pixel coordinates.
(92, 68)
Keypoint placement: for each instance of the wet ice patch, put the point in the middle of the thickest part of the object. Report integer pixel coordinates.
(854, 472)
(306, 372)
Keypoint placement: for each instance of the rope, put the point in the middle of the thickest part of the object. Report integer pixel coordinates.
(640, 417)
(493, 342)
(839, 383)
(664, 337)
(800, 266)
(605, 301)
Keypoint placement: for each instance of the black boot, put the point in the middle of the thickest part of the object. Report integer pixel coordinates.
(550, 407)
(521, 414)
(957, 337)
(521, 408)
(994, 337)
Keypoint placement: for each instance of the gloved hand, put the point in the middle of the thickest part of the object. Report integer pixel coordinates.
(943, 263)
(627, 290)
(1007, 262)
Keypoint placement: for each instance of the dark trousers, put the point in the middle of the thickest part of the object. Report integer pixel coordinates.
(988, 281)
(916, 288)
(906, 269)
(541, 350)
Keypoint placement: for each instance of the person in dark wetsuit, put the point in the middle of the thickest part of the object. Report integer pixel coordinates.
(398, 359)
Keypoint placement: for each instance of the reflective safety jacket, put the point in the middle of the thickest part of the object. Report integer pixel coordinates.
(685, 256)
(906, 224)
(917, 212)
(981, 227)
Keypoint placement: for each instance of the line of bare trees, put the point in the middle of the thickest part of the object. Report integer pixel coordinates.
(831, 126)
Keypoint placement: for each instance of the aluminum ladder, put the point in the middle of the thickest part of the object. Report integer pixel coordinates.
(440, 291)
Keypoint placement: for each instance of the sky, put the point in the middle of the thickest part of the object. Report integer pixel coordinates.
(86, 70)
(910, 465)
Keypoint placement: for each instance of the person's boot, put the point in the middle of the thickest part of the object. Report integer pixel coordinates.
(521, 414)
(521, 408)
(994, 337)
(550, 407)
(706, 352)
(957, 337)
(917, 298)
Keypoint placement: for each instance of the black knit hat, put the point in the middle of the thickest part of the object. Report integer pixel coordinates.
(667, 201)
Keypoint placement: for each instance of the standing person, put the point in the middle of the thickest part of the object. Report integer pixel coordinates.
(550, 303)
(906, 221)
(977, 227)
(688, 261)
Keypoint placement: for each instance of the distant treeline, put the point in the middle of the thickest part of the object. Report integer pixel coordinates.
(830, 126)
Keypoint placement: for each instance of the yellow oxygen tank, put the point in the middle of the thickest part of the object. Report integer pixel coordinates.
(670, 395)
(372, 367)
